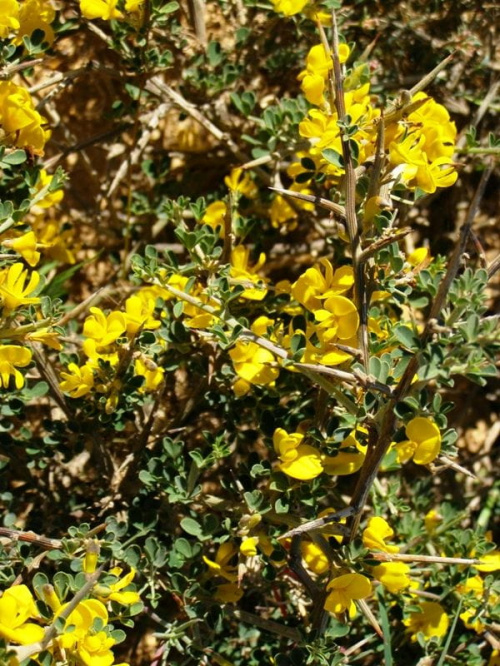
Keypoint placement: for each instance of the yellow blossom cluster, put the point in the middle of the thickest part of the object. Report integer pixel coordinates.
(19, 287)
(101, 345)
(44, 235)
(252, 363)
(20, 19)
(305, 462)
(15, 293)
(86, 635)
(108, 9)
(333, 320)
(419, 146)
(21, 124)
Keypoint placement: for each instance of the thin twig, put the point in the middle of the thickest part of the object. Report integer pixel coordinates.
(319, 201)
(380, 243)
(265, 624)
(352, 222)
(429, 78)
(406, 557)
(493, 267)
(31, 537)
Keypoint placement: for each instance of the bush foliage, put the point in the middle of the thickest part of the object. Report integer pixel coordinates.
(248, 333)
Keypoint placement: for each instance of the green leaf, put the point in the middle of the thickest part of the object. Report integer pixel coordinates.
(386, 629)
(13, 158)
(191, 526)
(169, 8)
(407, 337)
(333, 157)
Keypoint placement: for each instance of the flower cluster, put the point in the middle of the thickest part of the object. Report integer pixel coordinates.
(108, 345)
(108, 9)
(20, 19)
(331, 322)
(419, 146)
(21, 123)
(304, 462)
(86, 636)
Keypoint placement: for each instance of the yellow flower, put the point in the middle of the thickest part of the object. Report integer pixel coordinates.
(16, 607)
(338, 318)
(375, 534)
(431, 620)
(434, 122)
(423, 444)
(251, 363)
(48, 595)
(78, 381)
(104, 330)
(300, 461)
(392, 575)
(323, 132)
(139, 314)
(289, 7)
(51, 198)
(346, 461)
(12, 357)
(314, 557)
(240, 181)
(221, 565)
(242, 273)
(21, 123)
(494, 658)
(325, 350)
(214, 216)
(431, 520)
(115, 591)
(35, 15)
(248, 547)
(92, 551)
(419, 256)
(25, 245)
(133, 5)
(490, 562)
(439, 173)
(152, 373)
(472, 589)
(9, 17)
(13, 292)
(54, 240)
(95, 352)
(320, 282)
(314, 77)
(421, 148)
(91, 648)
(104, 9)
(344, 590)
(46, 337)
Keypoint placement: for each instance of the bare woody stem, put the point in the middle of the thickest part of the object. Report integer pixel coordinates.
(352, 222)
(373, 461)
(425, 559)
